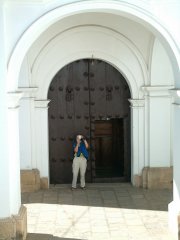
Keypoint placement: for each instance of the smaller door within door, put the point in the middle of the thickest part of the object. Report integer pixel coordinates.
(109, 149)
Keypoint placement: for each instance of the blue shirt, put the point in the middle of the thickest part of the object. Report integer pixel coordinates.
(81, 149)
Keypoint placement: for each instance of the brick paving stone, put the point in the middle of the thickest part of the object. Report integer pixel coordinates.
(115, 211)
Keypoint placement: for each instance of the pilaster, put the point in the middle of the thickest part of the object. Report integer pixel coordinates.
(158, 118)
(13, 224)
(137, 139)
(42, 138)
(13, 149)
(27, 158)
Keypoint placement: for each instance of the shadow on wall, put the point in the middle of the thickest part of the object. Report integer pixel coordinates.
(39, 236)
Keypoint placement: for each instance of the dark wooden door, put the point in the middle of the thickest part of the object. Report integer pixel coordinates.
(103, 149)
(109, 150)
(81, 94)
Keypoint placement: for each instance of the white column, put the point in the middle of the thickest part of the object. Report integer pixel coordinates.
(42, 137)
(137, 137)
(27, 128)
(13, 151)
(4, 160)
(9, 159)
(5, 199)
(159, 120)
(174, 206)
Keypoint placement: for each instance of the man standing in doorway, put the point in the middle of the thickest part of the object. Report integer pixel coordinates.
(81, 154)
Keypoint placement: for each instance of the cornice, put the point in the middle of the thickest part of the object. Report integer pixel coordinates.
(175, 93)
(157, 90)
(41, 103)
(136, 103)
(28, 92)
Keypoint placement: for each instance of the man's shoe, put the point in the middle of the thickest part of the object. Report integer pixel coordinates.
(73, 188)
(83, 188)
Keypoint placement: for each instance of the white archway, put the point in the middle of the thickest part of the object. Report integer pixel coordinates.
(123, 55)
(42, 76)
(111, 6)
(59, 52)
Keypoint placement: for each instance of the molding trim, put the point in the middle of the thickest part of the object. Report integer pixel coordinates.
(177, 105)
(41, 103)
(28, 92)
(175, 93)
(137, 103)
(156, 91)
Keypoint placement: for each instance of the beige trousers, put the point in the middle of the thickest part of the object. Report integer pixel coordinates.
(79, 163)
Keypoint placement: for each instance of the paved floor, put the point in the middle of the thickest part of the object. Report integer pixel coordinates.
(102, 211)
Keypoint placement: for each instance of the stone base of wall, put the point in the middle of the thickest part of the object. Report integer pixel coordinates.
(155, 178)
(14, 227)
(31, 181)
(44, 183)
(7, 228)
(21, 223)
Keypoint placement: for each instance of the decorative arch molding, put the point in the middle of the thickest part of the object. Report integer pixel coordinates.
(105, 44)
(121, 8)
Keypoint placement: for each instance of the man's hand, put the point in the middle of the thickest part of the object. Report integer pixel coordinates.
(78, 139)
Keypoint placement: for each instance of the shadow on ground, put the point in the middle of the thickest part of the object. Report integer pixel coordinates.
(39, 236)
(116, 195)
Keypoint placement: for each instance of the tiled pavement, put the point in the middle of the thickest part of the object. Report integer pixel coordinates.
(115, 211)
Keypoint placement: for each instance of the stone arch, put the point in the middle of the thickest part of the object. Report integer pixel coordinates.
(137, 104)
(111, 6)
(123, 56)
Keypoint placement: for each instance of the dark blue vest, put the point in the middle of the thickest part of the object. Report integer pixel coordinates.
(81, 149)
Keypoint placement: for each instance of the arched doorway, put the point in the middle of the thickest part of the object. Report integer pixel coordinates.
(90, 97)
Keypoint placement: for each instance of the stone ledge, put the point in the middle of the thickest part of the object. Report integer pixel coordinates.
(14, 227)
(21, 223)
(44, 183)
(157, 178)
(7, 228)
(30, 180)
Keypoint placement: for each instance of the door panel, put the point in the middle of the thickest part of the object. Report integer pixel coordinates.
(103, 149)
(81, 94)
(109, 145)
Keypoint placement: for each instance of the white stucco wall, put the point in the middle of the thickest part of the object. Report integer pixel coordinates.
(151, 20)
(136, 33)
(161, 67)
(160, 131)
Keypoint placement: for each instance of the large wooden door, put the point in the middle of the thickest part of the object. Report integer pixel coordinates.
(83, 93)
